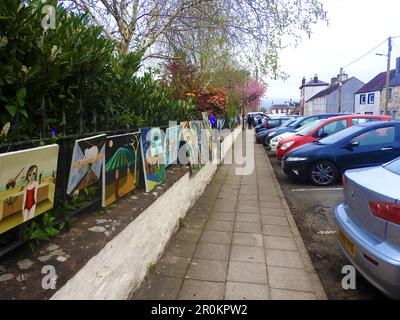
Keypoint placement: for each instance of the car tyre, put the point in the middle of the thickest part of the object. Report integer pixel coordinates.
(323, 173)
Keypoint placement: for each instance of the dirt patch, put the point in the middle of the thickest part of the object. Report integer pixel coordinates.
(21, 270)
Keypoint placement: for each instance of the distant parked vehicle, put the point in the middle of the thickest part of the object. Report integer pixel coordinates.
(368, 224)
(364, 145)
(260, 136)
(300, 122)
(270, 123)
(322, 129)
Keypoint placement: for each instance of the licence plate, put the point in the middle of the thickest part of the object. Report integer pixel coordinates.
(346, 242)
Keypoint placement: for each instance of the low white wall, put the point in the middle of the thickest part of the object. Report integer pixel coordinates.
(118, 269)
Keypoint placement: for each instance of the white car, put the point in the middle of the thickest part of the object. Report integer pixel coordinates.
(273, 144)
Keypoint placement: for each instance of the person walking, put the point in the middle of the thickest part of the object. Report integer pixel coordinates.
(249, 121)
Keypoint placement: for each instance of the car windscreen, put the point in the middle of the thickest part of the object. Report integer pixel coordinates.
(288, 122)
(305, 130)
(294, 124)
(394, 166)
(340, 135)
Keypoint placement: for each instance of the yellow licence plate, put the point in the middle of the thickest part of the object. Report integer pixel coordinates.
(346, 242)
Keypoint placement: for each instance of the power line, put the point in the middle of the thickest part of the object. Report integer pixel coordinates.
(363, 56)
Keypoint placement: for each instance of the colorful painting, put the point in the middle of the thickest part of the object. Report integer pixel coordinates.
(207, 127)
(87, 162)
(206, 121)
(220, 124)
(171, 145)
(120, 169)
(192, 150)
(27, 184)
(153, 157)
(202, 141)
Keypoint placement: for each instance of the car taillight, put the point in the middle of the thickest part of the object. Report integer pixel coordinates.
(344, 182)
(385, 210)
(266, 124)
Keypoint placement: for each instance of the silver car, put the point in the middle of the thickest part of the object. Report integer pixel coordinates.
(368, 224)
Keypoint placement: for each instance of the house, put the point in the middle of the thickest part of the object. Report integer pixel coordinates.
(327, 100)
(367, 100)
(394, 94)
(310, 89)
(280, 109)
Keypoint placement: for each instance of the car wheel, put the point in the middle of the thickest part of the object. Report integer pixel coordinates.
(323, 173)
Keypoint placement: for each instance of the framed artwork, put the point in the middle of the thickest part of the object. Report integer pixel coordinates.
(27, 184)
(171, 145)
(87, 162)
(151, 141)
(192, 150)
(202, 141)
(120, 168)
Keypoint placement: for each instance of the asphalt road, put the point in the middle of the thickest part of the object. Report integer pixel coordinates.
(312, 208)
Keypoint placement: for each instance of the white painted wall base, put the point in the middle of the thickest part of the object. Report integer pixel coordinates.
(119, 268)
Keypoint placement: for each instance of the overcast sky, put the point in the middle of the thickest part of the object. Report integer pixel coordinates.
(355, 27)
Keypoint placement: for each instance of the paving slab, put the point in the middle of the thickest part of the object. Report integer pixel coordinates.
(246, 291)
(201, 290)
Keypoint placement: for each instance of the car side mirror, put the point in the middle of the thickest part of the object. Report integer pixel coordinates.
(323, 135)
(353, 144)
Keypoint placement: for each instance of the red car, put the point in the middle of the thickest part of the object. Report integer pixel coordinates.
(321, 129)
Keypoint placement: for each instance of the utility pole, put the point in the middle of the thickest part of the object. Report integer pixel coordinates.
(340, 91)
(243, 100)
(388, 76)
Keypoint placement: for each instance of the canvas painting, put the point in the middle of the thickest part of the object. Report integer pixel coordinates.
(151, 142)
(120, 169)
(206, 121)
(87, 162)
(202, 141)
(171, 145)
(192, 150)
(27, 184)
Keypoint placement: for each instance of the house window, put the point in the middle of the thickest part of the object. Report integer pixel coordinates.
(390, 94)
(362, 99)
(371, 98)
(394, 115)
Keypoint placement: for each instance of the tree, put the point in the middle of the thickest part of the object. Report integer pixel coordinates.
(249, 30)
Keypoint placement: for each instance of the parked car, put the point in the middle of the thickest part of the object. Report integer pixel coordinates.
(260, 136)
(322, 129)
(368, 224)
(300, 122)
(364, 145)
(273, 144)
(270, 123)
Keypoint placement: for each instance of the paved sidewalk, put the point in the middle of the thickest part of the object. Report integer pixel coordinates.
(239, 241)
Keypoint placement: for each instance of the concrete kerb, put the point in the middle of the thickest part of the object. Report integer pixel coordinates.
(309, 267)
(119, 268)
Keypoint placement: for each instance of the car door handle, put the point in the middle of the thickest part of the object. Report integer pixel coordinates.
(387, 149)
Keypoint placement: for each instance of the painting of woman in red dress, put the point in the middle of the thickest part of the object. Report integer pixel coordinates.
(30, 194)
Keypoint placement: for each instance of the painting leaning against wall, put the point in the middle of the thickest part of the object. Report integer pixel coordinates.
(151, 142)
(171, 145)
(192, 149)
(87, 162)
(27, 184)
(120, 168)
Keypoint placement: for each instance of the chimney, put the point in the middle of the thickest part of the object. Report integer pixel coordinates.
(303, 82)
(398, 65)
(334, 80)
(315, 79)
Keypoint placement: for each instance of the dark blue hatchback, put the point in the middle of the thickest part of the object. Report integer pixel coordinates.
(365, 145)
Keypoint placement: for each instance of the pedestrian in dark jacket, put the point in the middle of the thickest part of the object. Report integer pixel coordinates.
(249, 121)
